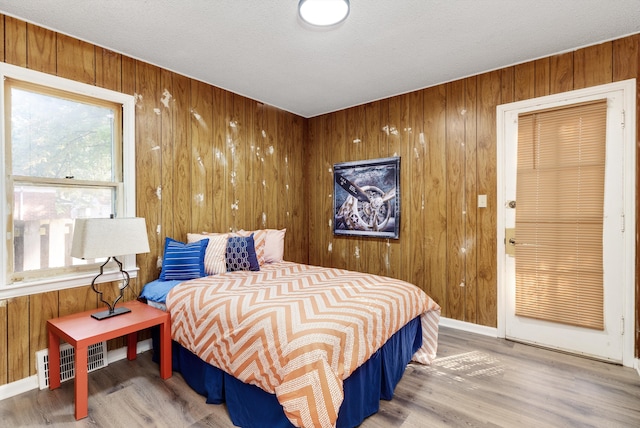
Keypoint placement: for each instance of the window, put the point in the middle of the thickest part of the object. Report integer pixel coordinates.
(68, 153)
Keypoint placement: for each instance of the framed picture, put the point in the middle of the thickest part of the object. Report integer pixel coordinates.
(366, 198)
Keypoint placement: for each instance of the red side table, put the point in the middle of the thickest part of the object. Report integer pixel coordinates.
(81, 331)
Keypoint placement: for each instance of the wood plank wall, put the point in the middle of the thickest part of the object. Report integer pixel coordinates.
(206, 160)
(446, 137)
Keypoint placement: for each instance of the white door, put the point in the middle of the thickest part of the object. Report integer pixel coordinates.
(618, 232)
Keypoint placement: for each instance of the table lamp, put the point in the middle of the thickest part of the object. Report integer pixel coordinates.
(95, 238)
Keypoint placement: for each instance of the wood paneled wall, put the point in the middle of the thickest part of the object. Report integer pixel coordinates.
(446, 137)
(206, 160)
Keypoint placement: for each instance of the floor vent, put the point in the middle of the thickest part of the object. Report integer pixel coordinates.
(96, 357)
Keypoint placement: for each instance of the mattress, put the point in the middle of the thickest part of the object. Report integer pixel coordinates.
(298, 332)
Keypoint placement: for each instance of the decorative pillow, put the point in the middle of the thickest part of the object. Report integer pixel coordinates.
(183, 261)
(241, 254)
(274, 245)
(259, 237)
(214, 256)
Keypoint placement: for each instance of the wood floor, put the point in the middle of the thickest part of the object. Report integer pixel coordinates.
(476, 381)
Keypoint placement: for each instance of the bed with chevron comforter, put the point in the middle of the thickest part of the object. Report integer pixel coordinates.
(299, 331)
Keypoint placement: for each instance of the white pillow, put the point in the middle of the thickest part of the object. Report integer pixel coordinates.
(214, 256)
(274, 246)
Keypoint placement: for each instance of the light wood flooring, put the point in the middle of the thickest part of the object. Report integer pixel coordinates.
(476, 381)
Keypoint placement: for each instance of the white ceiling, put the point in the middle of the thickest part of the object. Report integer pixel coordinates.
(261, 49)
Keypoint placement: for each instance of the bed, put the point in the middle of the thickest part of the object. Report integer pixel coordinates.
(290, 344)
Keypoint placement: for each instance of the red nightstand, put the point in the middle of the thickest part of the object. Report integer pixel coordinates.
(81, 331)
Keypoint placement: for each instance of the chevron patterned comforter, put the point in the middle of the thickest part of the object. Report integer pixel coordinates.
(297, 331)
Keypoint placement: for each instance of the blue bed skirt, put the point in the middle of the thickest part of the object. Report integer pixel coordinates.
(251, 407)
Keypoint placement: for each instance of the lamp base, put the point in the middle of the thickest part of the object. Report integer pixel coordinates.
(107, 314)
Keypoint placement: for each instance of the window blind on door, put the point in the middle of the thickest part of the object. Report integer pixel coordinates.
(559, 214)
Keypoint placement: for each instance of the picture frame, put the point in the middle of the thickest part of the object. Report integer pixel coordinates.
(366, 198)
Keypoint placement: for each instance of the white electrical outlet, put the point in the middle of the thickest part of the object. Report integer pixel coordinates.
(482, 201)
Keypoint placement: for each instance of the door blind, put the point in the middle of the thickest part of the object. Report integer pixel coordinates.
(559, 214)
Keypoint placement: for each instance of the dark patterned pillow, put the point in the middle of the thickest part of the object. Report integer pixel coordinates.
(183, 261)
(241, 254)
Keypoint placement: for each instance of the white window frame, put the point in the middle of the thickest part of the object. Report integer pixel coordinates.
(126, 203)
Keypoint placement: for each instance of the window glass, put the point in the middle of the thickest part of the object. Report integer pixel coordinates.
(43, 222)
(61, 138)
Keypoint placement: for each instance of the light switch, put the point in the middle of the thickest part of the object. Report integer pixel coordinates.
(482, 201)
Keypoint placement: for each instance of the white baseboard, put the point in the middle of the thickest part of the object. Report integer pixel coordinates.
(27, 384)
(470, 327)
(18, 387)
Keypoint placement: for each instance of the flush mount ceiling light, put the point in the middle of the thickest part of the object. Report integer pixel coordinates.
(323, 13)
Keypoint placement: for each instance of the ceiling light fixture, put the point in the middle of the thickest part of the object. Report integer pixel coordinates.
(323, 13)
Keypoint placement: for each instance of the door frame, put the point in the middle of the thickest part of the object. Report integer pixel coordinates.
(628, 88)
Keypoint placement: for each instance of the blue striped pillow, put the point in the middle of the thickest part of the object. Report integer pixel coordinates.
(183, 261)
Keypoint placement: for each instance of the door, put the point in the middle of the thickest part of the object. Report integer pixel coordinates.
(548, 260)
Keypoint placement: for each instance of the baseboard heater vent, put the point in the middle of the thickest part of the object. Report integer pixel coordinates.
(96, 358)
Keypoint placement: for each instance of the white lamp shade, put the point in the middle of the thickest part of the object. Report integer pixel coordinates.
(95, 238)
